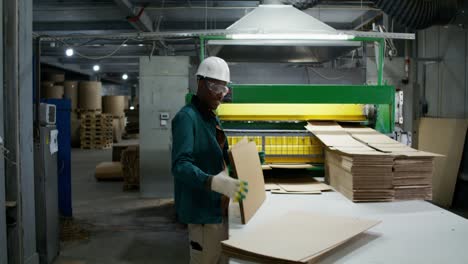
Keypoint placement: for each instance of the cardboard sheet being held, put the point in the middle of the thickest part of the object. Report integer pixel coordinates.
(246, 164)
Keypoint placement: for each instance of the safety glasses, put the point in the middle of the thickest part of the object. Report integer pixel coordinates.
(217, 88)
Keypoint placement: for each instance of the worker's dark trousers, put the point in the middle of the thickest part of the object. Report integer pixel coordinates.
(205, 242)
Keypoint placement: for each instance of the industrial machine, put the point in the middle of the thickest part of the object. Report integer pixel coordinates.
(46, 187)
(274, 115)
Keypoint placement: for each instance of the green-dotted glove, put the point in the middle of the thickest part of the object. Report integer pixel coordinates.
(233, 188)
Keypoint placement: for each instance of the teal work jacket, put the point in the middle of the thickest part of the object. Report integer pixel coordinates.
(196, 155)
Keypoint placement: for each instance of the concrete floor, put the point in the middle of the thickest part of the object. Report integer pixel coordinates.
(123, 228)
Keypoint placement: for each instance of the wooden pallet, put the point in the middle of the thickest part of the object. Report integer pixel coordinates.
(79, 110)
(95, 146)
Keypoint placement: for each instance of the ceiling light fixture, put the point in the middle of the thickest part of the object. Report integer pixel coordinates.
(69, 52)
(125, 76)
(132, 107)
(96, 68)
(140, 45)
(289, 36)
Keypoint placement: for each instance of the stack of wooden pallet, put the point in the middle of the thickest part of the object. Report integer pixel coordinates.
(366, 165)
(96, 131)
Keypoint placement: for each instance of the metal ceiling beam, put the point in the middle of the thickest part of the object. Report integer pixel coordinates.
(172, 3)
(76, 13)
(365, 19)
(82, 26)
(113, 69)
(104, 61)
(143, 21)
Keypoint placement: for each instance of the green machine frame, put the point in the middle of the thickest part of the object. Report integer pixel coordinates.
(380, 95)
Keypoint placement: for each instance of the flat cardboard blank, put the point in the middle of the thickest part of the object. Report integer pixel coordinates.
(296, 236)
(246, 164)
(446, 137)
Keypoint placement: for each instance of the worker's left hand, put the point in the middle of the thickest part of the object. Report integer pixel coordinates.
(233, 188)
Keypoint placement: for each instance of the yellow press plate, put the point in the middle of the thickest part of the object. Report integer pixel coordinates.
(291, 112)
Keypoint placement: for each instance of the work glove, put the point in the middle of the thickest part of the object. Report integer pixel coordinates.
(232, 188)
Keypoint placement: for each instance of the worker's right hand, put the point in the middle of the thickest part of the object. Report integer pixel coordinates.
(230, 187)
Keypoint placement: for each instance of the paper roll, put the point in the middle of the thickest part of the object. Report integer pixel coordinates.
(89, 95)
(71, 92)
(51, 91)
(56, 77)
(113, 105)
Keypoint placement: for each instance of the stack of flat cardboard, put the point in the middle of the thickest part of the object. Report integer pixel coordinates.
(412, 169)
(130, 160)
(361, 177)
(366, 165)
(296, 237)
(359, 172)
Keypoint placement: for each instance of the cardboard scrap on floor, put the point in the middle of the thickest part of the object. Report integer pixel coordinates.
(246, 164)
(109, 171)
(446, 137)
(366, 165)
(307, 236)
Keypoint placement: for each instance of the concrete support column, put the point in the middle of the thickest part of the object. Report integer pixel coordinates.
(3, 236)
(18, 103)
(163, 86)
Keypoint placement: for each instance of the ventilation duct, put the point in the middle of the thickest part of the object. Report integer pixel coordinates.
(414, 14)
(277, 20)
(419, 14)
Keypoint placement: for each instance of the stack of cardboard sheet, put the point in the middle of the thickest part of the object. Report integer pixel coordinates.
(130, 160)
(361, 177)
(297, 237)
(412, 169)
(366, 165)
(359, 172)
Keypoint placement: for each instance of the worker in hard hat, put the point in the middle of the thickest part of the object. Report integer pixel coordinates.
(199, 165)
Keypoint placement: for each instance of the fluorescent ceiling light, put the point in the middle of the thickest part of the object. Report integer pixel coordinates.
(291, 36)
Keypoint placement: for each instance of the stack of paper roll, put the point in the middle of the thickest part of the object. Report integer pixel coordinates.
(75, 124)
(71, 92)
(89, 96)
(56, 77)
(51, 91)
(126, 102)
(114, 105)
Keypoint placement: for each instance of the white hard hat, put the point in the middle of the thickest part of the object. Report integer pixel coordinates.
(214, 68)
